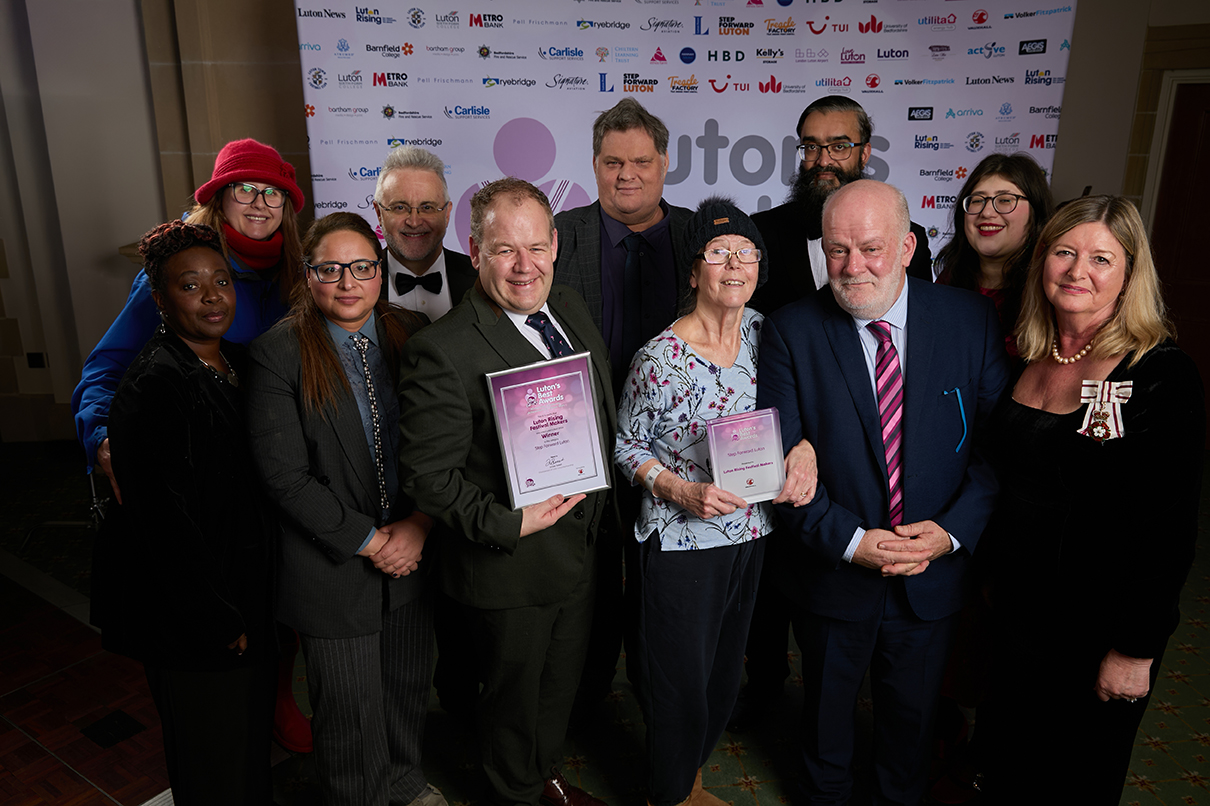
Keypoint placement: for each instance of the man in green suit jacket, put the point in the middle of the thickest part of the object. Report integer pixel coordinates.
(526, 577)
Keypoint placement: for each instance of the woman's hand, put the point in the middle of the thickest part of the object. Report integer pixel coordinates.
(1123, 677)
(400, 555)
(699, 497)
(802, 474)
(105, 463)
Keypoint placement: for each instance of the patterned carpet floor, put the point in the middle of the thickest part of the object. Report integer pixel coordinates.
(77, 725)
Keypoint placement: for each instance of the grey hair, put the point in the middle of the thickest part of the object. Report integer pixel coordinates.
(411, 157)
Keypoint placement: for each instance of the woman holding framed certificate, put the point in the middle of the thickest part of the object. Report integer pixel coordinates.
(700, 553)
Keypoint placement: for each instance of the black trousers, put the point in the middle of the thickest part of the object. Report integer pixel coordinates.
(530, 660)
(693, 625)
(217, 728)
(906, 657)
(370, 697)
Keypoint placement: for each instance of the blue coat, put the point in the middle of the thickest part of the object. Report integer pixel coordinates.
(812, 369)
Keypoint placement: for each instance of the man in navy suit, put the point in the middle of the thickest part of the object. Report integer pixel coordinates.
(876, 564)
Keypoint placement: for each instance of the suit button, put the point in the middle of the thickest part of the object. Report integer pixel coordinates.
(579, 514)
(324, 480)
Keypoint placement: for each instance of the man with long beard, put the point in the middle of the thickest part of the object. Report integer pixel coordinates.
(834, 145)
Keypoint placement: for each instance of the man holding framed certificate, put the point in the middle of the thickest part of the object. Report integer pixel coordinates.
(526, 576)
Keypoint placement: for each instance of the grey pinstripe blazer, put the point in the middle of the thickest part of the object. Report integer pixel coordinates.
(318, 469)
(579, 260)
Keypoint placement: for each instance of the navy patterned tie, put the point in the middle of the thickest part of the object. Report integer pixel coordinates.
(557, 345)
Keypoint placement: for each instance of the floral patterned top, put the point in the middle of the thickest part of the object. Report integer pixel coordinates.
(669, 394)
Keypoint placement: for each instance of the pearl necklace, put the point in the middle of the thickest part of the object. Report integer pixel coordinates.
(1054, 352)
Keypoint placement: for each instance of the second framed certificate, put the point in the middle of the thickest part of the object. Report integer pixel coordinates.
(746, 456)
(546, 417)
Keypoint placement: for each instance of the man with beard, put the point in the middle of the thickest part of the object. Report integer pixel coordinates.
(834, 145)
(413, 207)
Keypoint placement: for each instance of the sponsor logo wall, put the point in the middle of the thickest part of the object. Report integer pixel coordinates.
(496, 88)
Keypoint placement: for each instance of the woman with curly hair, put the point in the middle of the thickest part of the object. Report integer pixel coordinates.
(181, 567)
(251, 203)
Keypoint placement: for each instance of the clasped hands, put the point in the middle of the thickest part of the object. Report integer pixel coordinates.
(906, 551)
(396, 548)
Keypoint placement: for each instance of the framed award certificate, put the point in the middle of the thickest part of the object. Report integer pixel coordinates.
(546, 418)
(746, 454)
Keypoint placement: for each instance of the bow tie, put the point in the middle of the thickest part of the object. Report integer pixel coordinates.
(405, 282)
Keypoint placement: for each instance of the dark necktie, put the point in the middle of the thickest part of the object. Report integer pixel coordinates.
(363, 345)
(557, 345)
(405, 282)
(888, 380)
(632, 300)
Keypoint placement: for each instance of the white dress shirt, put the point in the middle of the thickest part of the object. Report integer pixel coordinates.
(434, 306)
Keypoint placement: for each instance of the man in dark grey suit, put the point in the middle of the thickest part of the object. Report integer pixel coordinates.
(412, 201)
(621, 253)
(525, 577)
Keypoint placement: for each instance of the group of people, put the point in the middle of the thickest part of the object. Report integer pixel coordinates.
(342, 475)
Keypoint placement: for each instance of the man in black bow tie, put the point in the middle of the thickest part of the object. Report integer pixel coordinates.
(413, 207)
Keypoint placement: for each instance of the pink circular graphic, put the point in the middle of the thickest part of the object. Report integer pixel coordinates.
(524, 148)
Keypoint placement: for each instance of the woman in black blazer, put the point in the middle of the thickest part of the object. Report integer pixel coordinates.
(181, 568)
(323, 416)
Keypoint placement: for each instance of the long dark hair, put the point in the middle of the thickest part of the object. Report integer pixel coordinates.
(958, 262)
(323, 377)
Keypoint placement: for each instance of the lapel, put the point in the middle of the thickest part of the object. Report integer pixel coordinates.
(346, 424)
(922, 346)
(587, 257)
(846, 348)
(500, 335)
(583, 335)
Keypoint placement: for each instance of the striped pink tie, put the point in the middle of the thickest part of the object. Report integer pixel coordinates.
(889, 382)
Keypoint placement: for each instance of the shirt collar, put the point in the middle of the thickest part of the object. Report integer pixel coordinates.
(394, 266)
(896, 315)
(617, 231)
(369, 330)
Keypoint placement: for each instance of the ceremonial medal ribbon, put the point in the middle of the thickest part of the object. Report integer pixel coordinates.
(1103, 417)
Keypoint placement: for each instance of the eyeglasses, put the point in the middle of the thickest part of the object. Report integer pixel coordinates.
(334, 272)
(717, 257)
(809, 152)
(1003, 203)
(244, 193)
(424, 210)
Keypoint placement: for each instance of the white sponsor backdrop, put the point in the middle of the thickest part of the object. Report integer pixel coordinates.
(498, 87)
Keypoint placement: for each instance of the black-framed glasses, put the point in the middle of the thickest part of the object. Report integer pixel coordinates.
(1002, 203)
(244, 193)
(424, 210)
(333, 272)
(809, 152)
(717, 257)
